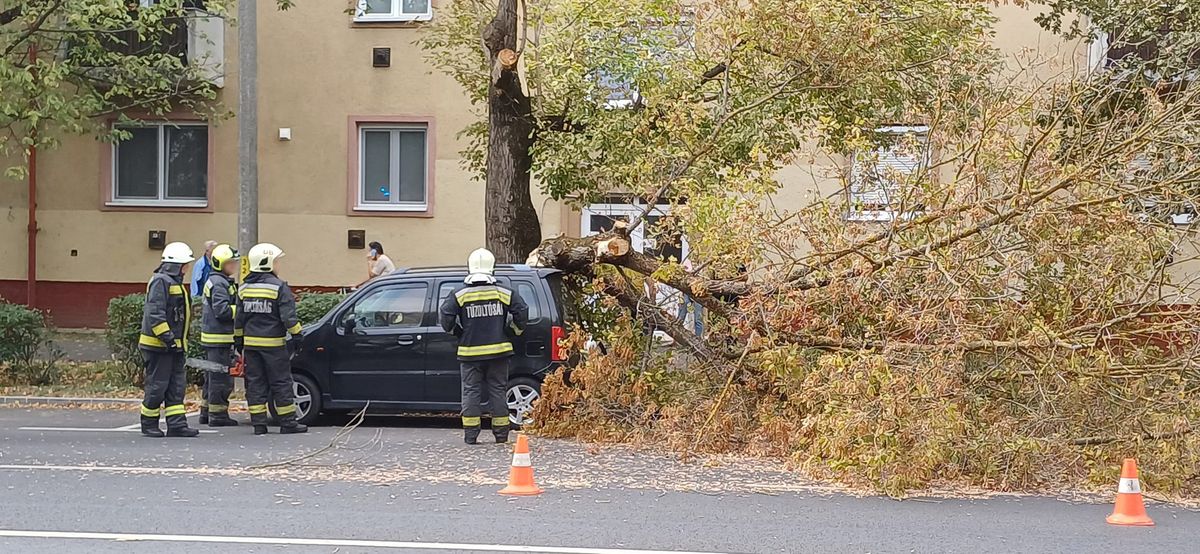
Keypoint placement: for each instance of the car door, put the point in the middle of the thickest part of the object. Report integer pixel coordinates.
(381, 352)
(442, 380)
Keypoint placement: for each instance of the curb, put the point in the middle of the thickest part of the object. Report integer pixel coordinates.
(65, 400)
(68, 400)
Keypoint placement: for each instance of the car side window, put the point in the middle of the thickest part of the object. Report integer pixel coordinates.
(529, 295)
(390, 307)
(445, 290)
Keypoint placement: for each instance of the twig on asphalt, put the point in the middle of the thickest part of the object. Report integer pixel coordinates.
(342, 433)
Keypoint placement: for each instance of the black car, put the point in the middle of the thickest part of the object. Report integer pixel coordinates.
(383, 344)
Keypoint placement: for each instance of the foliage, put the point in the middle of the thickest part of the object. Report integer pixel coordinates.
(66, 65)
(26, 345)
(1007, 321)
(312, 306)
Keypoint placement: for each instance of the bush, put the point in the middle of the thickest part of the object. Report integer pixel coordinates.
(24, 335)
(314, 305)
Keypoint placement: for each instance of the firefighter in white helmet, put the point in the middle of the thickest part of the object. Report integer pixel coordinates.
(166, 317)
(265, 318)
(481, 315)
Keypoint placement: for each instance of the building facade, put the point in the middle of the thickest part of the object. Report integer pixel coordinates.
(349, 143)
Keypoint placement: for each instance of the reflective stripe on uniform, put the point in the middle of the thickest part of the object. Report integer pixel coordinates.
(208, 289)
(470, 421)
(218, 408)
(203, 403)
(265, 342)
(501, 421)
(295, 329)
(479, 296)
(486, 349)
(215, 338)
(238, 332)
(161, 328)
(147, 340)
(176, 290)
(149, 412)
(285, 410)
(257, 408)
(259, 290)
(175, 410)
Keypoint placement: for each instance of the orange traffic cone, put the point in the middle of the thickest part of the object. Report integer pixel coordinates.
(520, 477)
(1130, 509)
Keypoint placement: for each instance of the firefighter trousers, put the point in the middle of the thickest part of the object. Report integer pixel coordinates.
(218, 386)
(166, 381)
(488, 377)
(269, 377)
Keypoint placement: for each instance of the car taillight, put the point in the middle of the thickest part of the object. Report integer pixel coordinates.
(558, 353)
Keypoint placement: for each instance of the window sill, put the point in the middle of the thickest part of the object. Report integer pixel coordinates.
(392, 211)
(130, 206)
(386, 21)
(879, 216)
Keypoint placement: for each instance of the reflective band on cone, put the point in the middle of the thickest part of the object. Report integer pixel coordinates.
(1129, 486)
(1129, 508)
(521, 460)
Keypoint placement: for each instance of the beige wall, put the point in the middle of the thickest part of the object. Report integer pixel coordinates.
(314, 72)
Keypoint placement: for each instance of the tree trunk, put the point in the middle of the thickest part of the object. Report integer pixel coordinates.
(511, 222)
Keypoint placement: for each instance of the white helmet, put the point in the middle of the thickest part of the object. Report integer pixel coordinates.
(178, 253)
(480, 266)
(262, 257)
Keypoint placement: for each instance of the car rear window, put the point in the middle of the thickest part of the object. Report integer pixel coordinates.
(531, 298)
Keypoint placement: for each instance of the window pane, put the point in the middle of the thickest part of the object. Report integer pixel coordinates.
(416, 6)
(377, 155)
(392, 308)
(412, 166)
(137, 164)
(531, 299)
(379, 7)
(187, 162)
(602, 223)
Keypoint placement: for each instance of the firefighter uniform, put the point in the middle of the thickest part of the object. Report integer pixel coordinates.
(216, 336)
(481, 315)
(166, 318)
(266, 315)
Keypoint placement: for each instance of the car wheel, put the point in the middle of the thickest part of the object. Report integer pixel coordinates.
(522, 393)
(308, 399)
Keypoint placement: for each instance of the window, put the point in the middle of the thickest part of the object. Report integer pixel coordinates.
(392, 307)
(878, 177)
(161, 165)
(659, 44)
(529, 295)
(394, 10)
(392, 168)
(651, 237)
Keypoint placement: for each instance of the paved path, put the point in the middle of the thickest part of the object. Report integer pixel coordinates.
(409, 485)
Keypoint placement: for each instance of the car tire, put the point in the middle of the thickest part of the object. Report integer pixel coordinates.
(308, 399)
(522, 392)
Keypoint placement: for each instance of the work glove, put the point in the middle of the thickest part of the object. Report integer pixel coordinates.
(293, 345)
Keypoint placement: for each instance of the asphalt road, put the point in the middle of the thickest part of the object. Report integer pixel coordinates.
(409, 485)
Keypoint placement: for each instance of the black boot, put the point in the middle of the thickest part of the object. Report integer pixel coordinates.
(292, 428)
(182, 432)
(501, 434)
(471, 435)
(150, 428)
(203, 415)
(221, 420)
(260, 429)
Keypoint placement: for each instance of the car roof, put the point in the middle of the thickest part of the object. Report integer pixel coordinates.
(461, 271)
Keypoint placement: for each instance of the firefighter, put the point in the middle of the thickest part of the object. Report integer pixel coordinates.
(481, 314)
(166, 318)
(265, 317)
(216, 335)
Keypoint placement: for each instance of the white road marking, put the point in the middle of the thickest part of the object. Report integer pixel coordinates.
(122, 469)
(95, 429)
(126, 428)
(331, 542)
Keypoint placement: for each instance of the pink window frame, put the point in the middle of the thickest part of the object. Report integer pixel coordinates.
(107, 150)
(355, 122)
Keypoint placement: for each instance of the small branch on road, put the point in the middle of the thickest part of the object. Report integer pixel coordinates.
(334, 444)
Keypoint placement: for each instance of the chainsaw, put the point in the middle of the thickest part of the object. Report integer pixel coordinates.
(237, 370)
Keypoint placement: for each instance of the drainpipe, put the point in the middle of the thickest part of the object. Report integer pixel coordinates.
(32, 230)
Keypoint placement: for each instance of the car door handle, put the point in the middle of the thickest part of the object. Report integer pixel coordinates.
(407, 340)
